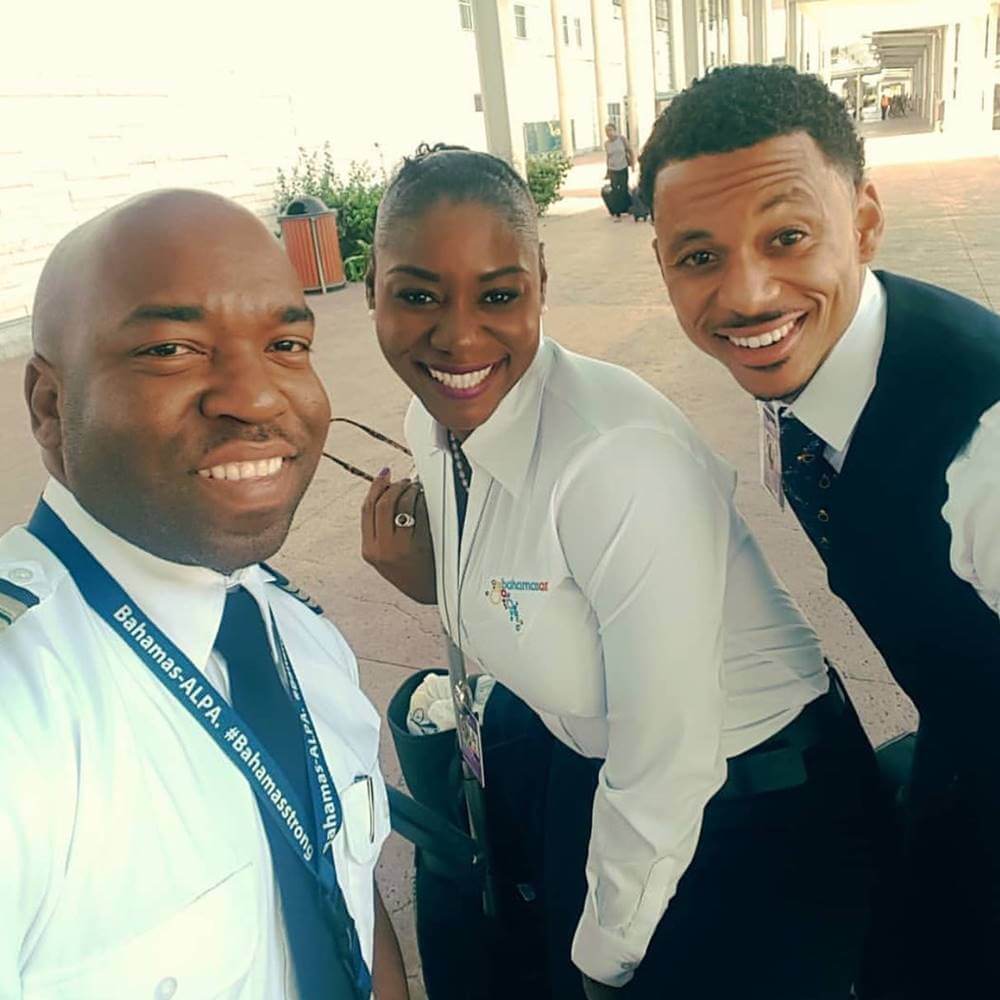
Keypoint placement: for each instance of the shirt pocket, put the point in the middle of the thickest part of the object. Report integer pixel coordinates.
(201, 952)
(365, 810)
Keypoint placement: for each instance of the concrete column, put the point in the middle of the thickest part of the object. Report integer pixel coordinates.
(639, 70)
(759, 11)
(737, 49)
(692, 42)
(792, 33)
(597, 33)
(631, 116)
(494, 20)
(719, 4)
(703, 36)
(565, 122)
(678, 35)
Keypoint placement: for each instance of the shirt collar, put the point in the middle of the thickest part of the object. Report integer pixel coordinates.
(185, 602)
(832, 403)
(505, 444)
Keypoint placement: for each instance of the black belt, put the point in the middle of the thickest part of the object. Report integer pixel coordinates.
(779, 762)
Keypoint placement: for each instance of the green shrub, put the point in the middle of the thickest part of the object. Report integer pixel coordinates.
(546, 174)
(355, 197)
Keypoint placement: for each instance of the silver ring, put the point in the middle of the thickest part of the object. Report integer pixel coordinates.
(404, 520)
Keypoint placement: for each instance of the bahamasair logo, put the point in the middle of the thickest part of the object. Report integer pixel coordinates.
(502, 592)
(138, 631)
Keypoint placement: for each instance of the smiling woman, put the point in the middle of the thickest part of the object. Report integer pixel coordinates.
(674, 673)
(457, 282)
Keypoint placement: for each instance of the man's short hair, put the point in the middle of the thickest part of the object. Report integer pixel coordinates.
(735, 107)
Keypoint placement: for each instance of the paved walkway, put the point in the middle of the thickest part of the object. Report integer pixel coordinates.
(606, 299)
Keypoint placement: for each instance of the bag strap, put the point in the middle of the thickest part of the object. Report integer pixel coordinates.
(426, 829)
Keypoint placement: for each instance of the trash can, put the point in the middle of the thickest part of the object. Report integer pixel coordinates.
(309, 232)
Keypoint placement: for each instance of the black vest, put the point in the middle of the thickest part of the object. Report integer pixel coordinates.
(939, 372)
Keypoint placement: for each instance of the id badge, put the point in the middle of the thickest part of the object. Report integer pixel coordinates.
(770, 454)
(470, 742)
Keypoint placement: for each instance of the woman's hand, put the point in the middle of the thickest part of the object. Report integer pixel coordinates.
(402, 555)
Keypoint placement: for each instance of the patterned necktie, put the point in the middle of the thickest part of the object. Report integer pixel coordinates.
(321, 933)
(806, 478)
(462, 476)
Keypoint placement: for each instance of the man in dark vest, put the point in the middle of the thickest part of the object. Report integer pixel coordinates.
(881, 430)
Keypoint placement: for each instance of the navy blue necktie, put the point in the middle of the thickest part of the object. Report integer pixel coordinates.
(321, 932)
(807, 478)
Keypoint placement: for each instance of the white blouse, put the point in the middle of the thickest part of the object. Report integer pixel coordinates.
(606, 577)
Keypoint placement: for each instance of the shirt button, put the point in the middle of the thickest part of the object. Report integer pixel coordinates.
(166, 988)
(20, 575)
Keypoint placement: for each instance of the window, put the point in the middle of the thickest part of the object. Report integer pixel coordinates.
(520, 21)
(565, 21)
(579, 32)
(465, 13)
(615, 116)
(662, 15)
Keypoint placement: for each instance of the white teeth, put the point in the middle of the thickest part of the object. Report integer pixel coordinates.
(765, 339)
(465, 380)
(238, 471)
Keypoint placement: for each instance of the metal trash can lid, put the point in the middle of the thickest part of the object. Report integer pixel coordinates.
(305, 204)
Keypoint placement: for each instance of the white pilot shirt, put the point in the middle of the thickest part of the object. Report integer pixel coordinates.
(606, 577)
(831, 406)
(133, 860)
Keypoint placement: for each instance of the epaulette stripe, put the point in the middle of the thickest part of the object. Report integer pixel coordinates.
(25, 597)
(14, 601)
(283, 583)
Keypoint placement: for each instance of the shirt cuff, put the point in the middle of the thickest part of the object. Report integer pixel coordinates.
(602, 953)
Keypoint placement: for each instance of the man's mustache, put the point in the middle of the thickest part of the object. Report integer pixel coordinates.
(738, 322)
(255, 434)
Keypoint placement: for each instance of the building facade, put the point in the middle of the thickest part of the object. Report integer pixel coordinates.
(215, 98)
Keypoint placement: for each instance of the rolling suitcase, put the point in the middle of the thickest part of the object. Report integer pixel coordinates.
(616, 200)
(638, 208)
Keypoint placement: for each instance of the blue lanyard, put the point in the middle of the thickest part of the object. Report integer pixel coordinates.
(209, 709)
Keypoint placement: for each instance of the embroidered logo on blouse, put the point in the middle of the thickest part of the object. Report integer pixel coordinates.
(501, 593)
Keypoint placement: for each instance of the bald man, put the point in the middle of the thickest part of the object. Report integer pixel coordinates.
(190, 803)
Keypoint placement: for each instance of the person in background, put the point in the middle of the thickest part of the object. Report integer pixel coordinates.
(885, 102)
(620, 159)
(709, 784)
(192, 802)
(885, 396)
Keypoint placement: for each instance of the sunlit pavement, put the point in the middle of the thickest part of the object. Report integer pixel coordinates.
(605, 299)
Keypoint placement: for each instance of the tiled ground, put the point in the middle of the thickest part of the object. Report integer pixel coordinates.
(605, 299)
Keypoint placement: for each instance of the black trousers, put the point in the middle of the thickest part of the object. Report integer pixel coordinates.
(952, 866)
(619, 180)
(777, 901)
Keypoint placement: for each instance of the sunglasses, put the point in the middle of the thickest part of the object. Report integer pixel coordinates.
(377, 435)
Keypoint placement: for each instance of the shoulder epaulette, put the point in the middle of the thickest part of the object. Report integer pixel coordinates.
(283, 583)
(14, 601)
